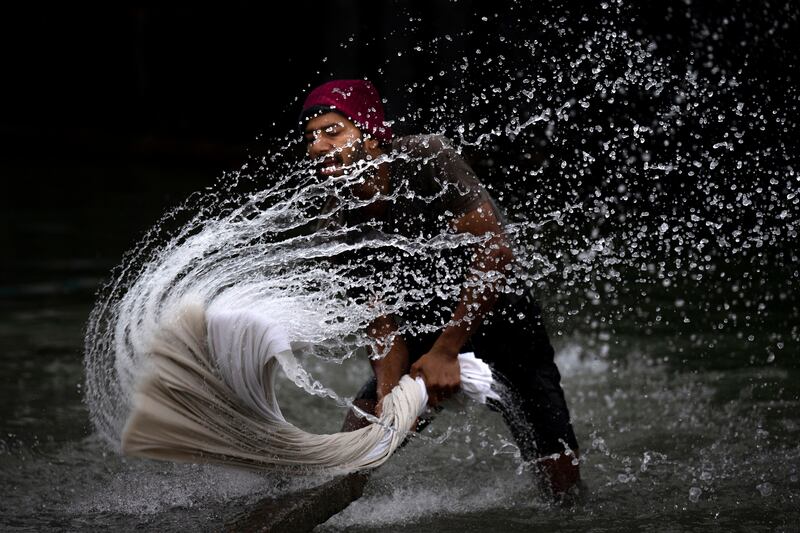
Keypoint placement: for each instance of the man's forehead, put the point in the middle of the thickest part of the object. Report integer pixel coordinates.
(331, 118)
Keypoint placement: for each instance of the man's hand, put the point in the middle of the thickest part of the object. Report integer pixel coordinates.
(441, 372)
(379, 404)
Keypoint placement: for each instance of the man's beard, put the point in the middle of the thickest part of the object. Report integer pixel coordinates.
(336, 161)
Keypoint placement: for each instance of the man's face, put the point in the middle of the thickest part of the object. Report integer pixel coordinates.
(334, 142)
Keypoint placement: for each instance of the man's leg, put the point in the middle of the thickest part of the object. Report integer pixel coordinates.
(533, 403)
(300, 511)
(304, 510)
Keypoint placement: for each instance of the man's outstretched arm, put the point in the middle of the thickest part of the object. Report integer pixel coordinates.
(439, 367)
(392, 366)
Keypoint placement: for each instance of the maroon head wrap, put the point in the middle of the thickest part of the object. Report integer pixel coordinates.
(357, 100)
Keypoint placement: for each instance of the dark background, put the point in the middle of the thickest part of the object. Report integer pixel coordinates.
(112, 115)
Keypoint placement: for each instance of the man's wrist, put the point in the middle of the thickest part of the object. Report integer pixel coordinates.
(385, 388)
(448, 343)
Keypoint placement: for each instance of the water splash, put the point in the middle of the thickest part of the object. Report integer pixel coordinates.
(620, 169)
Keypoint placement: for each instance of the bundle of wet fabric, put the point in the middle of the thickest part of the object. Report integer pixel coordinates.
(207, 394)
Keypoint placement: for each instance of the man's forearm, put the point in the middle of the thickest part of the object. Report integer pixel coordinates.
(393, 363)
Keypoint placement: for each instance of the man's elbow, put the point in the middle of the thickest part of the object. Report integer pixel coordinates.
(498, 254)
(504, 256)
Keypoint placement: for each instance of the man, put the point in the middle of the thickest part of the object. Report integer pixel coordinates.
(418, 187)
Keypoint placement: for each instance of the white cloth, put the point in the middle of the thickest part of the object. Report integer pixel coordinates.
(209, 396)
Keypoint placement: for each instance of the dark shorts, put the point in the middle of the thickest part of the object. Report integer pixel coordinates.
(514, 342)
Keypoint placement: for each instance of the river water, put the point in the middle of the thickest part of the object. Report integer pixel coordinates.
(675, 436)
(658, 235)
